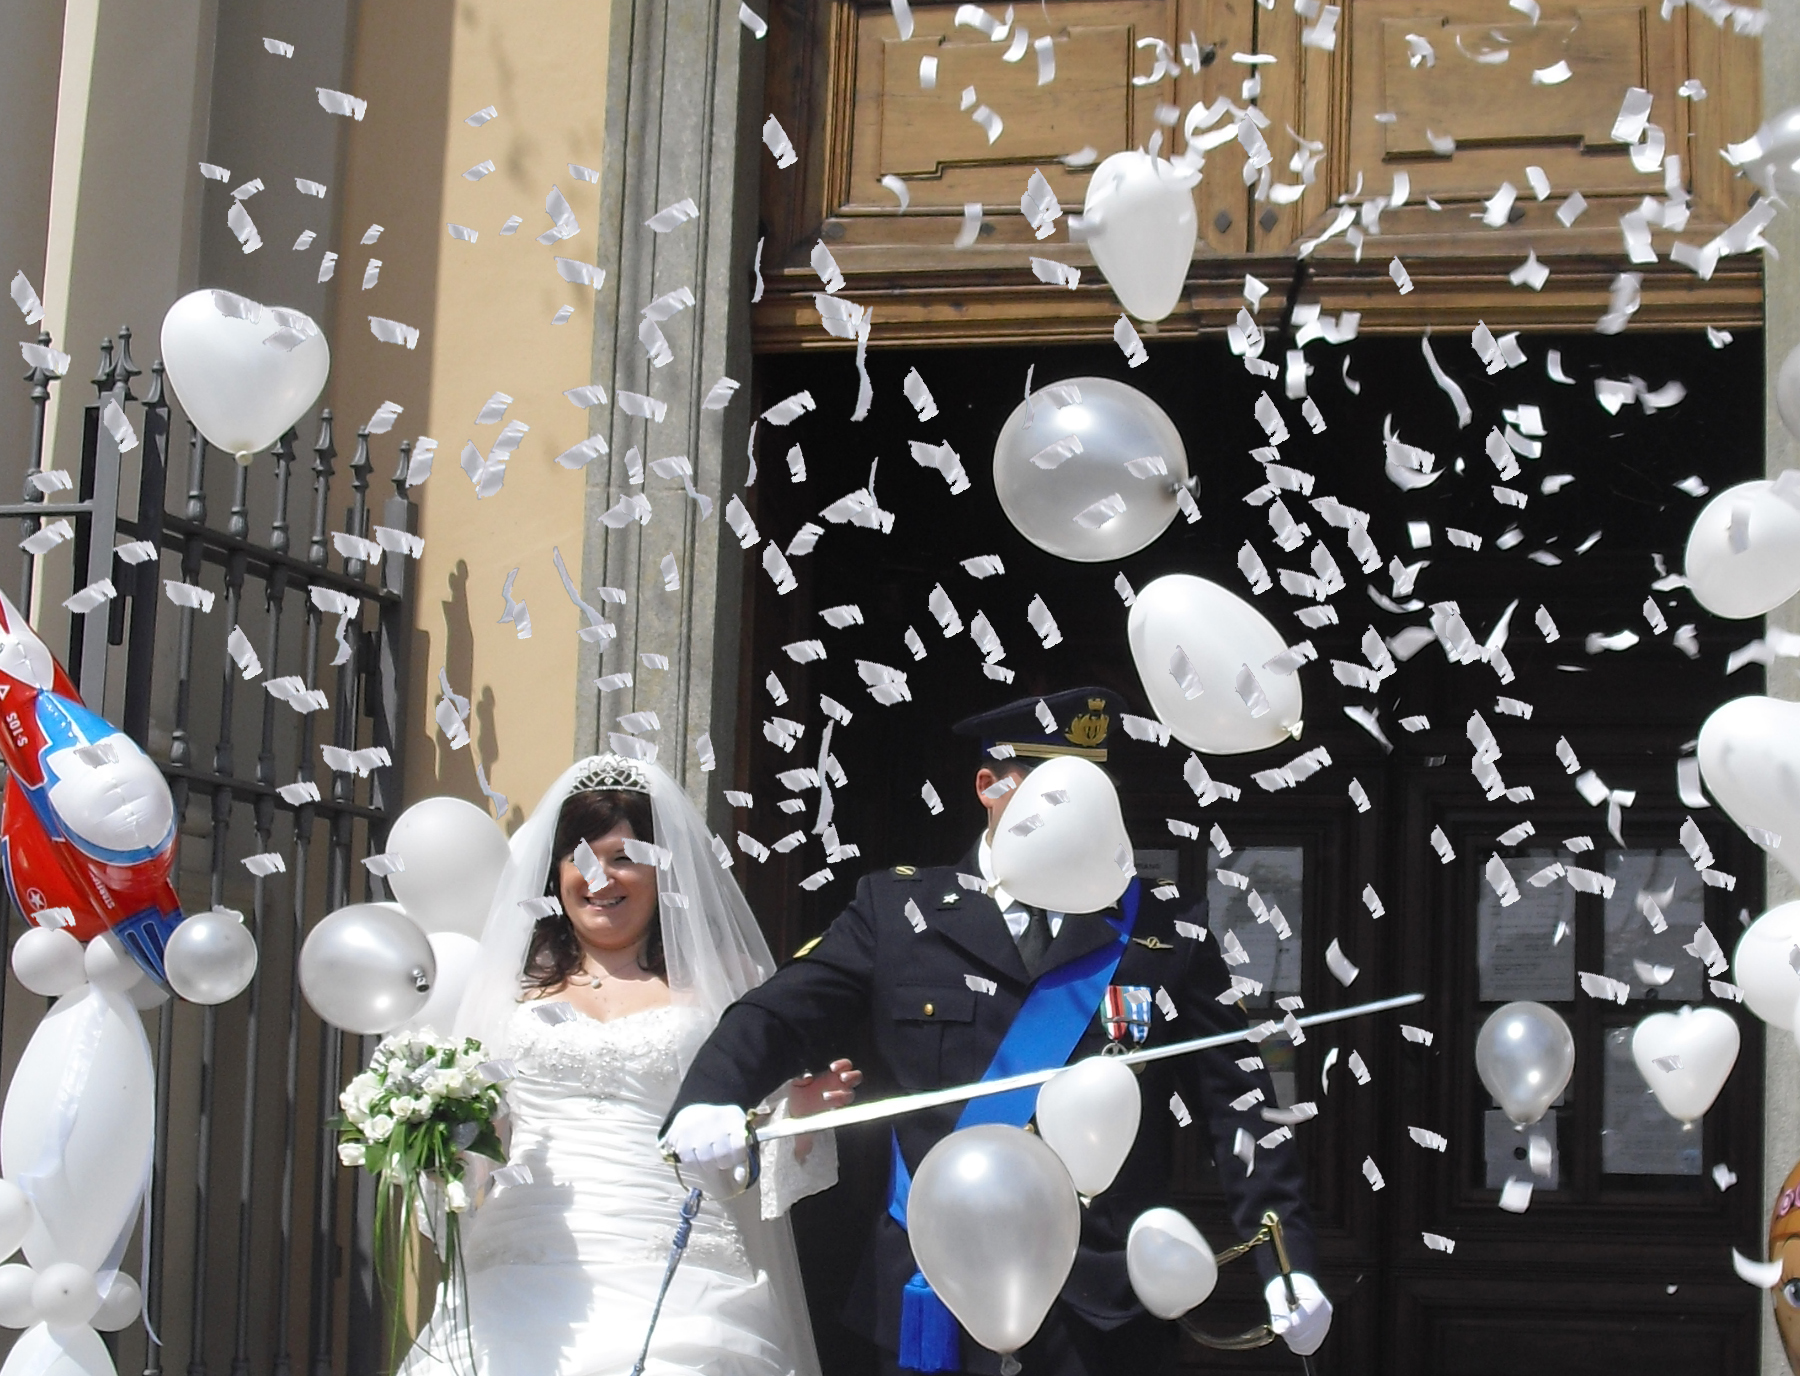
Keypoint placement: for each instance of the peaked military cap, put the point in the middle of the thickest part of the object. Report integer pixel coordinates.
(1080, 722)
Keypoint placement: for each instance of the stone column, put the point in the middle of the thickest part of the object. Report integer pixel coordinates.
(682, 122)
(1781, 315)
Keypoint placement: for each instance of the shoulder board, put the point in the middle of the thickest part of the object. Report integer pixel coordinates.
(807, 948)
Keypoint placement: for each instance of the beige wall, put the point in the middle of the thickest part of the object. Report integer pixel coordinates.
(484, 312)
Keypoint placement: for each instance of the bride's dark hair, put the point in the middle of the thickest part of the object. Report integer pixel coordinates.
(555, 955)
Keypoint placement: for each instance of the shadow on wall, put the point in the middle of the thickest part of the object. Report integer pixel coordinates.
(455, 769)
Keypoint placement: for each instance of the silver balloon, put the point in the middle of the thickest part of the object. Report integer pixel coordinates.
(211, 957)
(367, 968)
(1525, 1055)
(1064, 500)
(994, 1222)
(1775, 163)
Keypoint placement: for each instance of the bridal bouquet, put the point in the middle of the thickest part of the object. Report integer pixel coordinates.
(409, 1118)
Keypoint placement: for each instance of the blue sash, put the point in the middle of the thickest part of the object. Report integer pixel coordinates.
(1043, 1033)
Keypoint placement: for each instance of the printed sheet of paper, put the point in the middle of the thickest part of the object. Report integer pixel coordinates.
(1672, 887)
(1516, 950)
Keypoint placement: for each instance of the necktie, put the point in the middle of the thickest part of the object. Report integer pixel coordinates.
(1034, 941)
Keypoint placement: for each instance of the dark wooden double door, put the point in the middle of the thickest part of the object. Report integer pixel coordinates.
(1622, 1256)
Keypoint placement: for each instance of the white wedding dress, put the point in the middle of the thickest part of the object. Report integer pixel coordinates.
(563, 1264)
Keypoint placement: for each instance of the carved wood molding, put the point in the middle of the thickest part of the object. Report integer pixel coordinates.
(848, 88)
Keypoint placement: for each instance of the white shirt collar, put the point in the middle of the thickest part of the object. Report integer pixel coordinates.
(984, 860)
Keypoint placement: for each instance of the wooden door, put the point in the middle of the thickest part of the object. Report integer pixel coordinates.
(1625, 1255)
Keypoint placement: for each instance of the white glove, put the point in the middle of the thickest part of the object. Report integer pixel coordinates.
(1303, 1331)
(711, 1135)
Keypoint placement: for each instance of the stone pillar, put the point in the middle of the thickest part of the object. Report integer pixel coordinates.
(682, 122)
(1781, 315)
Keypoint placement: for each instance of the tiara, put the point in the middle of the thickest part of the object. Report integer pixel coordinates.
(610, 773)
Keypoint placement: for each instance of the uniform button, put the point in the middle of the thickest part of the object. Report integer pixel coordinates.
(930, 1009)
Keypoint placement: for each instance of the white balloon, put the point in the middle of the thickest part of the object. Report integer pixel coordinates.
(1089, 1117)
(16, 1281)
(16, 1216)
(1704, 1043)
(46, 1351)
(109, 965)
(1049, 490)
(1219, 635)
(1765, 572)
(994, 1223)
(456, 956)
(1787, 392)
(365, 968)
(1139, 223)
(454, 853)
(88, 1196)
(1760, 966)
(1064, 857)
(211, 957)
(1170, 1264)
(65, 1293)
(241, 392)
(120, 1306)
(49, 961)
(1750, 759)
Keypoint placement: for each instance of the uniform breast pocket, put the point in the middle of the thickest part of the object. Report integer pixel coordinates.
(921, 1012)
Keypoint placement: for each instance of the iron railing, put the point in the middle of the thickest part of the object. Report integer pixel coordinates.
(243, 1090)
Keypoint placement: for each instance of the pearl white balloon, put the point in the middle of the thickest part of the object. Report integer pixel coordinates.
(1760, 965)
(46, 1351)
(1220, 635)
(456, 957)
(365, 968)
(109, 966)
(16, 1217)
(1170, 1264)
(65, 1293)
(1774, 165)
(86, 1193)
(1750, 759)
(1787, 392)
(1525, 1055)
(1140, 225)
(49, 961)
(994, 1223)
(1089, 1117)
(1704, 1042)
(16, 1282)
(120, 1306)
(241, 392)
(1115, 425)
(211, 957)
(454, 853)
(1740, 583)
(1066, 857)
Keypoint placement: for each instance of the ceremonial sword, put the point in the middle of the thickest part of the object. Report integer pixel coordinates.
(881, 1109)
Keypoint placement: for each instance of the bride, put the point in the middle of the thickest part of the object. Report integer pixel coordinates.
(614, 942)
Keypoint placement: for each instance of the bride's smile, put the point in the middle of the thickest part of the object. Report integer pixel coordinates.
(616, 917)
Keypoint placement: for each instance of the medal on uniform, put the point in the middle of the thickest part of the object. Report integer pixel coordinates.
(1125, 1013)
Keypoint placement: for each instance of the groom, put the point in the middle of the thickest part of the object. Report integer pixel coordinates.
(936, 971)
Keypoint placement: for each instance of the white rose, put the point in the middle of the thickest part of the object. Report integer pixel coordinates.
(351, 1153)
(456, 1197)
(380, 1128)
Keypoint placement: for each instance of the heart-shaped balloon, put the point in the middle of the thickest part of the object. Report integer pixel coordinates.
(1743, 554)
(1089, 1116)
(1203, 654)
(1685, 1057)
(1750, 760)
(1062, 844)
(1762, 966)
(243, 372)
(1171, 1267)
(1140, 225)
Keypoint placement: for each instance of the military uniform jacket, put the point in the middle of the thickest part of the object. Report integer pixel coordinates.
(922, 996)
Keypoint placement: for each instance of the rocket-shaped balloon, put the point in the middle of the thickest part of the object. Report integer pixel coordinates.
(87, 828)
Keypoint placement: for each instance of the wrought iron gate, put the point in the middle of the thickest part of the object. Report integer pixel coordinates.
(254, 1241)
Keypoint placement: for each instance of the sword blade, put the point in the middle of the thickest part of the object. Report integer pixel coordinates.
(880, 1110)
